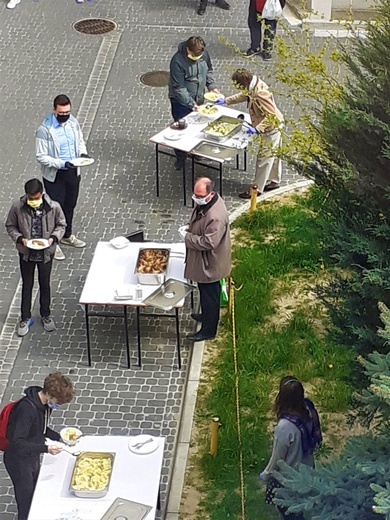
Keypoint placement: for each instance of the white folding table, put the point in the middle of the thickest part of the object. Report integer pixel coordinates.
(112, 269)
(134, 477)
(192, 136)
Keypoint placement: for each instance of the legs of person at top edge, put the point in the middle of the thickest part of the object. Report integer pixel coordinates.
(178, 112)
(220, 3)
(268, 167)
(65, 190)
(24, 476)
(44, 272)
(210, 294)
(269, 36)
(255, 23)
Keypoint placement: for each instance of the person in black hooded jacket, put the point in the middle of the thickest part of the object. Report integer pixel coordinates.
(26, 432)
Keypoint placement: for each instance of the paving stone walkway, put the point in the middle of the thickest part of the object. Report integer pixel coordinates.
(41, 57)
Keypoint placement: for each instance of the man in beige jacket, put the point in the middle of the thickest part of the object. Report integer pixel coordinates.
(208, 252)
(266, 120)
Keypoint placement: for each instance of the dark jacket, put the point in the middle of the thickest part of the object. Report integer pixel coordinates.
(208, 243)
(28, 426)
(189, 79)
(19, 220)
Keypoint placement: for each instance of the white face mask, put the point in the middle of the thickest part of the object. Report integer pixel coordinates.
(200, 202)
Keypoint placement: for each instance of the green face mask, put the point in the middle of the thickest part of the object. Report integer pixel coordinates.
(35, 204)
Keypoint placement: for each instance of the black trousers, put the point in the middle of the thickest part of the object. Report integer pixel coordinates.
(210, 301)
(65, 191)
(24, 475)
(178, 112)
(27, 270)
(255, 26)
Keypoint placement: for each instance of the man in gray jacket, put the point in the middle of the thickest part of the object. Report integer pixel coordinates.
(191, 73)
(208, 256)
(32, 218)
(59, 140)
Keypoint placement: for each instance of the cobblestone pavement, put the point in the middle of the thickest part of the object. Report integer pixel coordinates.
(43, 56)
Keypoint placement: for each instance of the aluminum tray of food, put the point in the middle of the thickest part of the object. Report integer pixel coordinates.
(152, 265)
(169, 294)
(222, 128)
(92, 474)
(126, 510)
(215, 151)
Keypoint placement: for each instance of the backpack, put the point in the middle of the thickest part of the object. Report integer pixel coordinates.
(4, 418)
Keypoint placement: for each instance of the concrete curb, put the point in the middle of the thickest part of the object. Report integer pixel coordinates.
(192, 384)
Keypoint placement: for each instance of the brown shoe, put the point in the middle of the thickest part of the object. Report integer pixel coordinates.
(271, 186)
(247, 194)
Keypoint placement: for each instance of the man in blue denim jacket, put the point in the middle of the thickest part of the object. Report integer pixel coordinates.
(59, 140)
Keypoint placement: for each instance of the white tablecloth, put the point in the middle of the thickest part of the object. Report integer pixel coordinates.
(193, 135)
(134, 477)
(113, 268)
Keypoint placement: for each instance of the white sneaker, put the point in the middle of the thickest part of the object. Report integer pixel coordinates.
(59, 255)
(12, 4)
(73, 241)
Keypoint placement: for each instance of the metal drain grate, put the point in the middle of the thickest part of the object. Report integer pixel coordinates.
(94, 26)
(157, 78)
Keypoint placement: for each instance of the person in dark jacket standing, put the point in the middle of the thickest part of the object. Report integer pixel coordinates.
(255, 23)
(208, 254)
(191, 73)
(35, 216)
(26, 432)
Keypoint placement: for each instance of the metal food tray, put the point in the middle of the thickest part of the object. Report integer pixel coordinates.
(92, 455)
(151, 278)
(169, 294)
(223, 138)
(215, 151)
(126, 510)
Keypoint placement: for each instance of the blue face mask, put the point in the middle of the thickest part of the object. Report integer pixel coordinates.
(53, 406)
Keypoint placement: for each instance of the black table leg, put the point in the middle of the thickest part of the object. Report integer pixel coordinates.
(139, 337)
(159, 500)
(184, 182)
(192, 176)
(157, 172)
(245, 158)
(237, 161)
(88, 336)
(178, 337)
(127, 335)
(220, 178)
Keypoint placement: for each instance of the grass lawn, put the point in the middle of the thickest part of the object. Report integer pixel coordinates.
(280, 330)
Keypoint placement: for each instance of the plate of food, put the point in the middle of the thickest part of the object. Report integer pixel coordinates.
(82, 161)
(70, 435)
(213, 96)
(208, 110)
(173, 136)
(38, 243)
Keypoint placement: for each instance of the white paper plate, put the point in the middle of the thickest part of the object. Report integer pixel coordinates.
(31, 245)
(83, 161)
(147, 448)
(173, 136)
(119, 242)
(213, 96)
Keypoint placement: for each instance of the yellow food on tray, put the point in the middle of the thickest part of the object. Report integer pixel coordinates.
(92, 474)
(207, 110)
(220, 128)
(152, 261)
(70, 434)
(212, 96)
(38, 243)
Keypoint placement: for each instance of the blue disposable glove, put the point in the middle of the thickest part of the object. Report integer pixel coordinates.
(251, 131)
(220, 101)
(69, 165)
(261, 476)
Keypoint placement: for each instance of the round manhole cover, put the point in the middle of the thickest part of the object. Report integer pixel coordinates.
(94, 26)
(157, 78)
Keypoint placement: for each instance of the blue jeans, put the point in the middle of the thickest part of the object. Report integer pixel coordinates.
(178, 112)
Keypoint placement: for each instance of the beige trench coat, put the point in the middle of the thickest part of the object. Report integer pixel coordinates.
(208, 256)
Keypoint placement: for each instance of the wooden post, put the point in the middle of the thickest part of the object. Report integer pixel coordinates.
(214, 436)
(253, 198)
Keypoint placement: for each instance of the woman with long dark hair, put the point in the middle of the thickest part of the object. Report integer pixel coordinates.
(296, 435)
